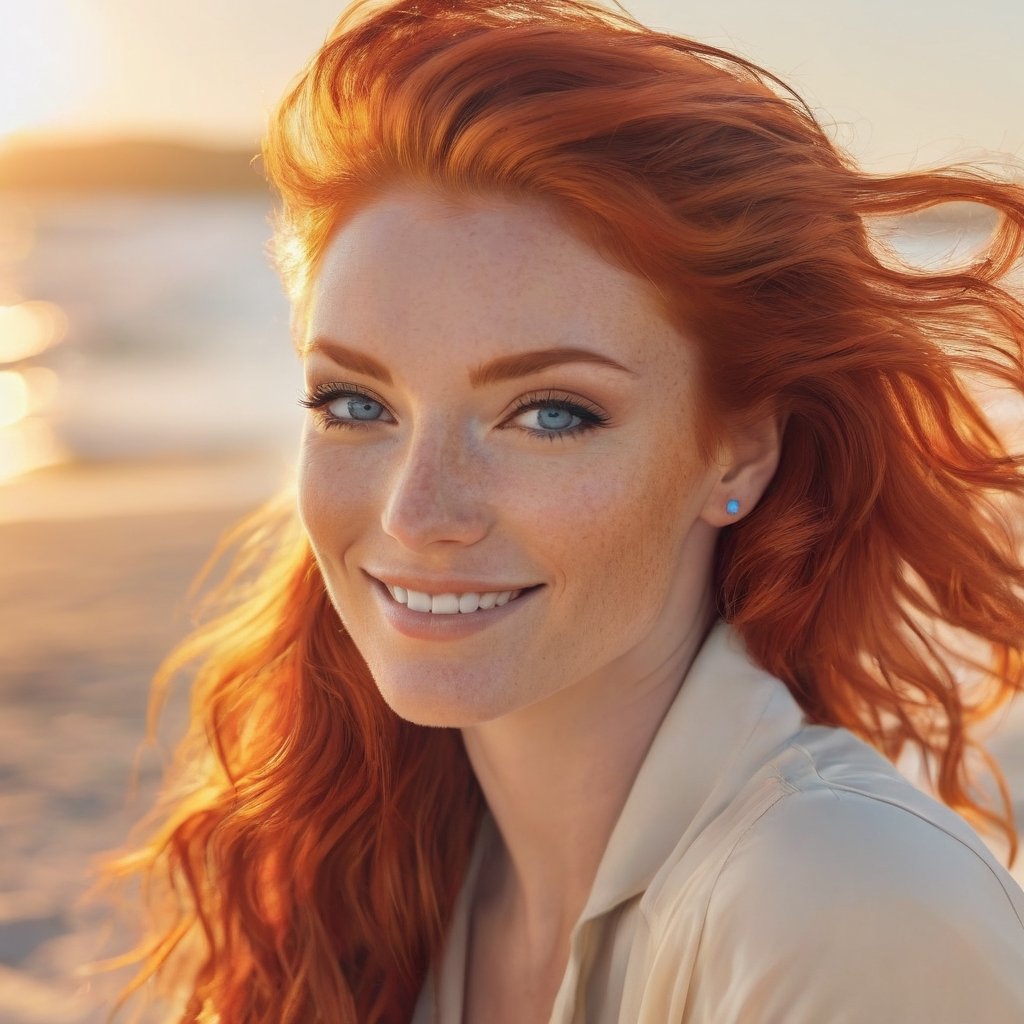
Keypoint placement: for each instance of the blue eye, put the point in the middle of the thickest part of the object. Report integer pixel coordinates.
(344, 405)
(355, 407)
(551, 416)
(555, 417)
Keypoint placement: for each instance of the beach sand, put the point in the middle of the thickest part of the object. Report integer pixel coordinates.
(93, 578)
(94, 566)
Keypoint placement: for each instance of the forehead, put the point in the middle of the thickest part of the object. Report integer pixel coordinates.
(480, 272)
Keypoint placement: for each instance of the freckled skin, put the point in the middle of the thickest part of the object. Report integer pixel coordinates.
(617, 522)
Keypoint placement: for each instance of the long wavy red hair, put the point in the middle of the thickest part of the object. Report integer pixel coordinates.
(305, 856)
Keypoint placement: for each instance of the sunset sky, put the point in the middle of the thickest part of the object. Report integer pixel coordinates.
(906, 82)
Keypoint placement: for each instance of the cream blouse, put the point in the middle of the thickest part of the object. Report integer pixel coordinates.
(767, 871)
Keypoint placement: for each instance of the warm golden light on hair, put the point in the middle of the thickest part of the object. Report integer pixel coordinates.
(706, 176)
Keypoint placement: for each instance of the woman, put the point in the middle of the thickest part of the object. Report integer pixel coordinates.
(642, 513)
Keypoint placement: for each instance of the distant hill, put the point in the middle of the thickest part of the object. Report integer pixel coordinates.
(141, 165)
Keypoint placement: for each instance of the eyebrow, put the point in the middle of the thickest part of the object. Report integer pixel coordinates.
(350, 358)
(525, 363)
(503, 368)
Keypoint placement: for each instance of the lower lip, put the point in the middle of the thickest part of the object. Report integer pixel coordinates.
(427, 626)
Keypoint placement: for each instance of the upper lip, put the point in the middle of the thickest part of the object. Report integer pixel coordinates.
(448, 585)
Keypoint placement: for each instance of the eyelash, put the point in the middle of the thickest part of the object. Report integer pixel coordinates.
(590, 415)
(319, 397)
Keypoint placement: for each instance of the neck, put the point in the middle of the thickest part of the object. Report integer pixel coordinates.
(556, 776)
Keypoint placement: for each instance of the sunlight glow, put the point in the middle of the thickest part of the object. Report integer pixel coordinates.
(28, 328)
(48, 62)
(27, 445)
(27, 439)
(13, 398)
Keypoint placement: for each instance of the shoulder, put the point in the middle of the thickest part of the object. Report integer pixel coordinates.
(853, 896)
(850, 821)
(831, 851)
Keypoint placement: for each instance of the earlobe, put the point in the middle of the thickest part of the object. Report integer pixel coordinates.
(748, 463)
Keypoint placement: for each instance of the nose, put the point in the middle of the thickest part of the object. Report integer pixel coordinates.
(434, 494)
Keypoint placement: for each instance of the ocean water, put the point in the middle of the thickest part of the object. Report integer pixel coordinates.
(141, 327)
(169, 328)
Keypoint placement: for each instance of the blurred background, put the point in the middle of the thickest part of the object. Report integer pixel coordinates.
(148, 389)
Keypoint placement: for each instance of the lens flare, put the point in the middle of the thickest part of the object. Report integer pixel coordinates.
(14, 398)
(27, 445)
(29, 328)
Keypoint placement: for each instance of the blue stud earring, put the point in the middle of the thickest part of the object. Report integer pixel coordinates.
(732, 506)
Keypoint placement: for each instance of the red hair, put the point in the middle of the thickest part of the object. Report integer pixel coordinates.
(313, 847)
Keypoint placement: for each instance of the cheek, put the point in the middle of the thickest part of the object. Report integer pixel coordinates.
(334, 491)
(624, 521)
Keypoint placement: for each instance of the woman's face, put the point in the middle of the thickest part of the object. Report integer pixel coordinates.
(500, 410)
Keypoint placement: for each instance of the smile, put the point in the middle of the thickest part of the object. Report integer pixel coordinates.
(451, 604)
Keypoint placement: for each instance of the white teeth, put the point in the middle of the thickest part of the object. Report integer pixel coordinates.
(450, 604)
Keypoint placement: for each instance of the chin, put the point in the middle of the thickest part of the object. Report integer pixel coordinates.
(445, 702)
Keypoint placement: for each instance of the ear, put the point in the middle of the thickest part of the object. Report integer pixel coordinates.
(746, 462)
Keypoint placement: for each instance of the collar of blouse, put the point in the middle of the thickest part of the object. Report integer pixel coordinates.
(726, 721)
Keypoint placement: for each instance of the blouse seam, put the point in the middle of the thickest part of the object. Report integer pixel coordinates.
(646, 908)
(787, 790)
(836, 788)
